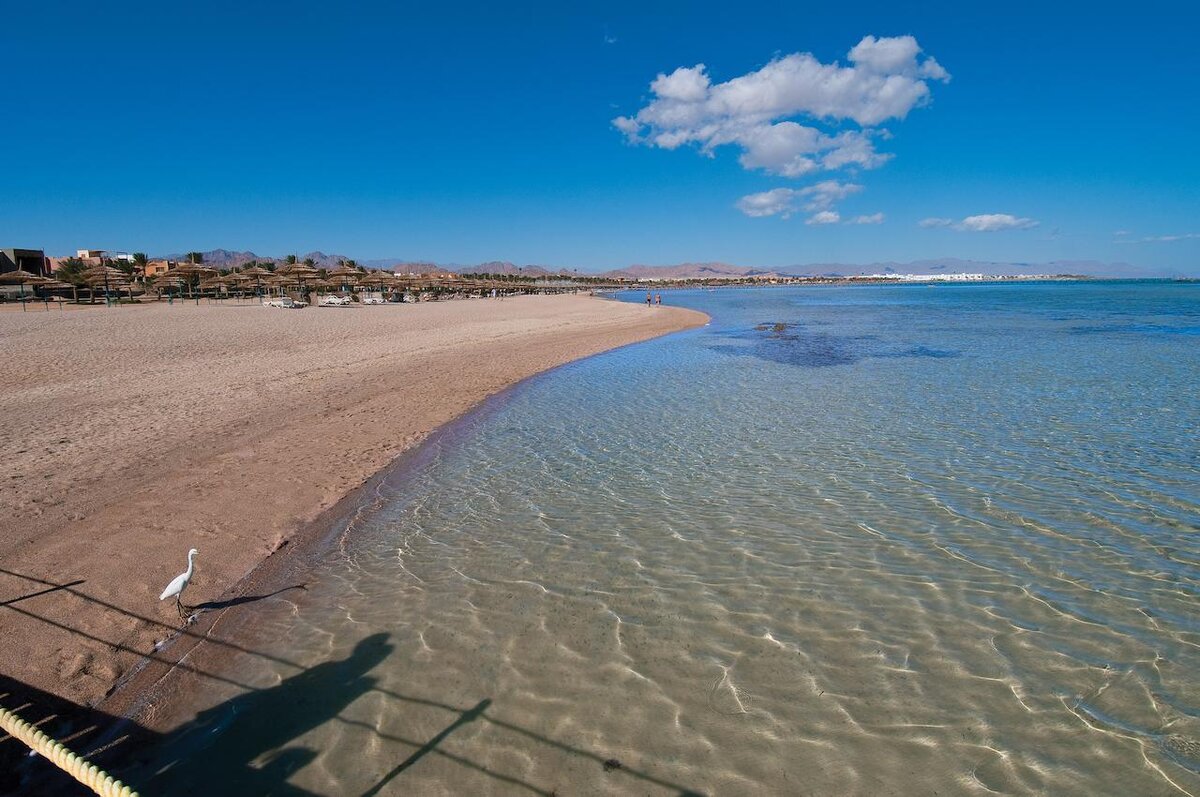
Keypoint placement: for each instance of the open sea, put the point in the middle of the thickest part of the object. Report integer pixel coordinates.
(857, 540)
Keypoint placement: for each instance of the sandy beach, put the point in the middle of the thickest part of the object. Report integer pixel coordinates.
(129, 435)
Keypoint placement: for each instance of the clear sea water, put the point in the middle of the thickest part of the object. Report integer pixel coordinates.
(843, 540)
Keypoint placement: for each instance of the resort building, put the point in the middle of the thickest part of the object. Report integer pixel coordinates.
(31, 260)
(159, 267)
(95, 258)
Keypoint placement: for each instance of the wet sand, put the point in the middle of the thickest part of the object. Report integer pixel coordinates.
(129, 435)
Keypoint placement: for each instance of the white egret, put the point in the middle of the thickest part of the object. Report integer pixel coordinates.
(179, 584)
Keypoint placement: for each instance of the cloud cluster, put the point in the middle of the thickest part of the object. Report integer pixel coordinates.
(757, 112)
(986, 222)
(886, 78)
(817, 199)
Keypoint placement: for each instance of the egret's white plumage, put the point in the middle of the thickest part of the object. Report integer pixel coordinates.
(179, 583)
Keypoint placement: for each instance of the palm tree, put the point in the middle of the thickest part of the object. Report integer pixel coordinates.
(140, 261)
(195, 258)
(128, 268)
(308, 261)
(71, 271)
(290, 260)
(134, 268)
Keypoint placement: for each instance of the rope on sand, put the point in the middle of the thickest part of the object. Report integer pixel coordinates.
(74, 765)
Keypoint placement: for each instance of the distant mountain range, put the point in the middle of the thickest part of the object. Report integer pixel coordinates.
(227, 258)
(954, 265)
(693, 271)
(949, 265)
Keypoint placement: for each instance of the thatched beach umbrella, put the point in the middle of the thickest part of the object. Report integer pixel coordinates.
(377, 280)
(214, 284)
(21, 278)
(297, 274)
(191, 271)
(257, 274)
(165, 282)
(272, 281)
(55, 285)
(107, 276)
(238, 281)
(344, 275)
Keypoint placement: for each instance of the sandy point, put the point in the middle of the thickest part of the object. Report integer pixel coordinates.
(130, 434)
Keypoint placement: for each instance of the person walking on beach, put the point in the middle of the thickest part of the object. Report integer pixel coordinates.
(649, 298)
(658, 299)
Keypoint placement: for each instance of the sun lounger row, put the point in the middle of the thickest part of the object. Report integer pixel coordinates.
(284, 301)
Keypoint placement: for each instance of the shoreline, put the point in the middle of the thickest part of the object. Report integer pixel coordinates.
(146, 694)
(83, 616)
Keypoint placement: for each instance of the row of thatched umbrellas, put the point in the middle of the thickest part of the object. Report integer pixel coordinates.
(342, 278)
(21, 278)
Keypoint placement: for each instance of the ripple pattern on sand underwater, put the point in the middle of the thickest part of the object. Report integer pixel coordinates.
(860, 540)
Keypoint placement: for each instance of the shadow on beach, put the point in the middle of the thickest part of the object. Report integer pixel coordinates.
(248, 744)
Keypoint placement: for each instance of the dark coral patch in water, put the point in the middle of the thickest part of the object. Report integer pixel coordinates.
(792, 344)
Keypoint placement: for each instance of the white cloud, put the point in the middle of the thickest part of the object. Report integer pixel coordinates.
(1157, 239)
(776, 202)
(985, 222)
(895, 55)
(824, 217)
(886, 78)
(627, 126)
(822, 195)
(684, 84)
(783, 201)
(874, 218)
(994, 222)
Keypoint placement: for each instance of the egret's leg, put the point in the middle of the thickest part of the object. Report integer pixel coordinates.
(179, 607)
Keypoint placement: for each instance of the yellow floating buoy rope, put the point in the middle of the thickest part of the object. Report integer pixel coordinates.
(74, 765)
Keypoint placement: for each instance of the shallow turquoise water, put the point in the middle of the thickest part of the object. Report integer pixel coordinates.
(843, 540)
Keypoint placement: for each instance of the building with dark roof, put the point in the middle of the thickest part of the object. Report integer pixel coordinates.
(31, 260)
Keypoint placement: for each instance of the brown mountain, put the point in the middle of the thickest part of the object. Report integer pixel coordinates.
(690, 271)
(412, 267)
(504, 267)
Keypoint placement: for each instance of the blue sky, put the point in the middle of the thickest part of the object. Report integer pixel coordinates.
(471, 133)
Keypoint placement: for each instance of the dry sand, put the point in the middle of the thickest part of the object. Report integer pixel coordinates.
(128, 435)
